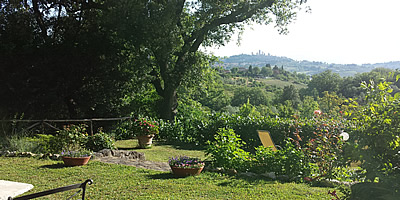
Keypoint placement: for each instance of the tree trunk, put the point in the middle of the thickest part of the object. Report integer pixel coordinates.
(168, 104)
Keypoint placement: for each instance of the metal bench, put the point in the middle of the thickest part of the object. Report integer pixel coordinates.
(81, 186)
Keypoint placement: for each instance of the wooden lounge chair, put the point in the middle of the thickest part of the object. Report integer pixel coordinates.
(81, 186)
(266, 139)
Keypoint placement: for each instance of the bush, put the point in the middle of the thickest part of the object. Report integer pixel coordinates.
(100, 141)
(123, 130)
(38, 144)
(288, 161)
(71, 137)
(225, 151)
(377, 136)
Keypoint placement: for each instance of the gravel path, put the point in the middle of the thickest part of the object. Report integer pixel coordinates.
(131, 158)
(159, 166)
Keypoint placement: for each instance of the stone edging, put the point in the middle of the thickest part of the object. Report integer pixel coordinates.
(120, 154)
(103, 153)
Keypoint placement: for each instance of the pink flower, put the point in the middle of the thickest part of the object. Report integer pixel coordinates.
(317, 112)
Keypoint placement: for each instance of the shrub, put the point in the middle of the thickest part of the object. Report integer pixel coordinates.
(23, 144)
(100, 141)
(325, 148)
(38, 144)
(123, 130)
(377, 135)
(288, 161)
(70, 138)
(225, 151)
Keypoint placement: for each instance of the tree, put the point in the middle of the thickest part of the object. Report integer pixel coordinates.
(256, 71)
(169, 34)
(255, 96)
(292, 94)
(234, 70)
(57, 60)
(325, 81)
(266, 70)
(308, 106)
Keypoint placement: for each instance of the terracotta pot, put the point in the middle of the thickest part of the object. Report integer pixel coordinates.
(145, 141)
(183, 172)
(72, 161)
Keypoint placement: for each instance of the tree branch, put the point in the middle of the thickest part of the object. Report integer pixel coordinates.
(241, 14)
(39, 20)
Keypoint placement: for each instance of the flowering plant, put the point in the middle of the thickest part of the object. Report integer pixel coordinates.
(77, 154)
(185, 162)
(145, 126)
(70, 138)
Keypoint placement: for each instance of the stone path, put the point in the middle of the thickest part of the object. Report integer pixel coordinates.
(159, 166)
(131, 158)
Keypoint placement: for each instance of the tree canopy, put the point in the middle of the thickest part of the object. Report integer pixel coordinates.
(169, 34)
(53, 53)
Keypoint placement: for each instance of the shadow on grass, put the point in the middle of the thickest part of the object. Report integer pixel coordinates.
(182, 146)
(163, 176)
(55, 166)
(128, 148)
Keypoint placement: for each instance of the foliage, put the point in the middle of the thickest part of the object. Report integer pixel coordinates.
(200, 127)
(76, 154)
(325, 147)
(185, 162)
(331, 103)
(256, 96)
(226, 151)
(145, 126)
(171, 54)
(99, 141)
(70, 138)
(24, 144)
(288, 161)
(325, 81)
(189, 125)
(91, 76)
(290, 93)
(377, 132)
(307, 107)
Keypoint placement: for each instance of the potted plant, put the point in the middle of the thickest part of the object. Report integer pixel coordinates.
(72, 139)
(183, 166)
(145, 129)
(76, 158)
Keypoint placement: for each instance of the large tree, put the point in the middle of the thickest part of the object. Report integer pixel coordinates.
(57, 60)
(169, 34)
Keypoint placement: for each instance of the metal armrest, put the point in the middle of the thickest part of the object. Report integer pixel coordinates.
(82, 187)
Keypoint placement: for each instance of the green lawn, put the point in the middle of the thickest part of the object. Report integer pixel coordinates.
(125, 182)
(159, 151)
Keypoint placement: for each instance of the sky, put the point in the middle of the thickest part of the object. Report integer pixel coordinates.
(336, 31)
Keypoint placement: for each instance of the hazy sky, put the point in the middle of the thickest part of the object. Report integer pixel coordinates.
(336, 31)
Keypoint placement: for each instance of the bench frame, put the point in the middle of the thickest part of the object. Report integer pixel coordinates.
(81, 186)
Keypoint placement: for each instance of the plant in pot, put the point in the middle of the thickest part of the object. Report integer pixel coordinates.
(145, 129)
(76, 158)
(72, 139)
(183, 166)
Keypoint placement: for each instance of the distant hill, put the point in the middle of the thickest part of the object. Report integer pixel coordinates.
(307, 67)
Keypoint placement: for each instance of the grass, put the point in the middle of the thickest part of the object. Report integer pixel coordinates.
(126, 182)
(161, 152)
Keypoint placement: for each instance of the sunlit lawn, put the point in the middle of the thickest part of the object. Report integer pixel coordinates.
(125, 182)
